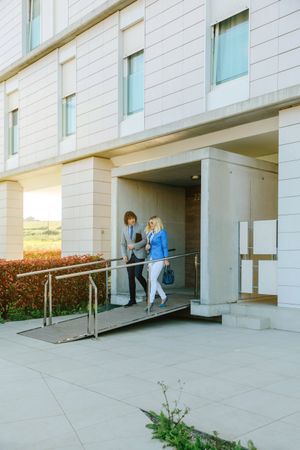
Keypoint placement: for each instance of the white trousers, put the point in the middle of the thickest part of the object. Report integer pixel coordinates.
(155, 269)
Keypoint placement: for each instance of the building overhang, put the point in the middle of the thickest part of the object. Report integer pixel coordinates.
(246, 112)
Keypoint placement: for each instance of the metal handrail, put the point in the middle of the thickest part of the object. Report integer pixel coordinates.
(92, 285)
(105, 269)
(48, 283)
(59, 269)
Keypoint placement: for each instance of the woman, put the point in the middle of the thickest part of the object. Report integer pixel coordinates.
(157, 245)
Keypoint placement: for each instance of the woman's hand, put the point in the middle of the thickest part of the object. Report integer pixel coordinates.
(147, 247)
(166, 262)
(130, 246)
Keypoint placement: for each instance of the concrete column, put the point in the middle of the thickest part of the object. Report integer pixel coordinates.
(289, 208)
(86, 207)
(11, 220)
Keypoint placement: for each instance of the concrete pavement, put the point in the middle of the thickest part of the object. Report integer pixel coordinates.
(244, 384)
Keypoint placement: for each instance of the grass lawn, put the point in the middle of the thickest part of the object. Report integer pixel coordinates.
(42, 235)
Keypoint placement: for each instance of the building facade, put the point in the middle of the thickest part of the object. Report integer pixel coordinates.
(189, 109)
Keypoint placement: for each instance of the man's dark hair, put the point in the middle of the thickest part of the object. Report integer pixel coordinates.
(129, 215)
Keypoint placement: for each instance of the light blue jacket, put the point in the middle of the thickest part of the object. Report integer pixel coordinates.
(159, 245)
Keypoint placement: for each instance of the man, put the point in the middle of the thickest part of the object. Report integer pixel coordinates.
(133, 243)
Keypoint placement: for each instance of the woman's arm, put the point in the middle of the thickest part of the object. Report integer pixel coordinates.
(164, 243)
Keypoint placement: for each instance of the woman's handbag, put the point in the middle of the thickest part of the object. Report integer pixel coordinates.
(168, 276)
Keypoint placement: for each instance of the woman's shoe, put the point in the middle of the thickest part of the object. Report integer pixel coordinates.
(164, 303)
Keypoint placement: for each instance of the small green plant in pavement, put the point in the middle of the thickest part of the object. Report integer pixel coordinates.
(168, 426)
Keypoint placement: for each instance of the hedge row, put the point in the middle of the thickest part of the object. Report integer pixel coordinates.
(27, 294)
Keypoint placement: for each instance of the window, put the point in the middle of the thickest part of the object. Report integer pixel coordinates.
(135, 83)
(68, 98)
(13, 133)
(69, 115)
(230, 48)
(34, 24)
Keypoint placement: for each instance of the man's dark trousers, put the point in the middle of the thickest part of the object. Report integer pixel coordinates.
(135, 272)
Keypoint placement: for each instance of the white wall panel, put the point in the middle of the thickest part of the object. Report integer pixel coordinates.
(246, 276)
(11, 220)
(79, 8)
(244, 238)
(265, 237)
(174, 47)
(2, 148)
(133, 39)
(86, 199)
(274, 45)
(61, 15)
(220, 10)
(267, 277)
(69, 78)
(10, 32)
(38, 110)
(289, 207)
(97, 83)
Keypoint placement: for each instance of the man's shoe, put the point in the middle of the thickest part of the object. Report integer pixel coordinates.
(130, 303)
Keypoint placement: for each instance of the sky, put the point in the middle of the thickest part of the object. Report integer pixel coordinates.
(43, 204)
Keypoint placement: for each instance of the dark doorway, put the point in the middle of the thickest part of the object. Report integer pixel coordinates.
(192, 230)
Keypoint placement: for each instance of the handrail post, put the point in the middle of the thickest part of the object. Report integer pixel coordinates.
(148, 289)
(94, 287)
(45, 302)
(89, 317)
(96, 311)
(106, 288)
(196, 275)
(50, 298)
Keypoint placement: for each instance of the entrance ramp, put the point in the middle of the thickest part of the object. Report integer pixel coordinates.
(77, 328)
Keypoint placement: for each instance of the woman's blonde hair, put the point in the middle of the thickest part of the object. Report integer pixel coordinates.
(158, 225)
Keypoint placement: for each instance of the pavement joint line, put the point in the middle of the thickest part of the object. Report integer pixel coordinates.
(259, 428)
(31, 418)
(62, 409)
(254, 429)
(93, 391)
(223, 402)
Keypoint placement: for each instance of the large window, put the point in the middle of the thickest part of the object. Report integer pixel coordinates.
(13, 132)
(230, 48)
(68, 98)
(69, 115)
(34, 24)
(134, 88)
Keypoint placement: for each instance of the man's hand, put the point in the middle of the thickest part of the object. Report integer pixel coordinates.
(166, 262)
(130, 246)
(147, 247)
(125, 259)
